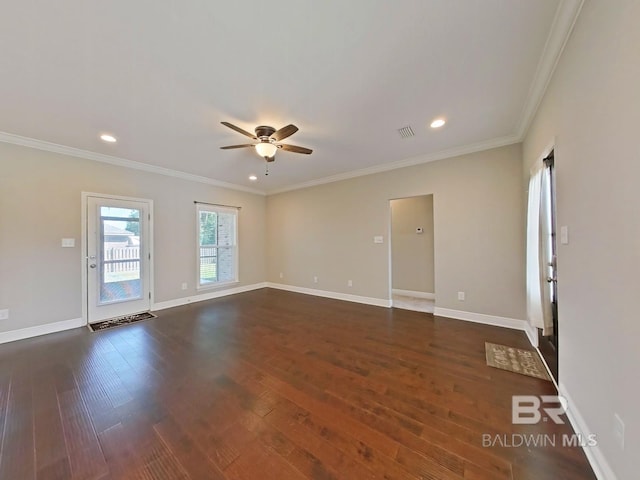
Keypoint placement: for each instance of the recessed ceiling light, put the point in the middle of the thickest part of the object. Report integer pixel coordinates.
(253, 178)
(105, 137)
(437, 123)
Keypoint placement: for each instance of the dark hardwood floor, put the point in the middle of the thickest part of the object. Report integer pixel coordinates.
(271, 385)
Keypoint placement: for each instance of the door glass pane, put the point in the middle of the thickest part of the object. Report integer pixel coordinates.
(120, 278)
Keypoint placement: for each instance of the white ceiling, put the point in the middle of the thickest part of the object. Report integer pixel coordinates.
(161, 76)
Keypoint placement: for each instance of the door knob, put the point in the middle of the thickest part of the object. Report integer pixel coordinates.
(93, 265)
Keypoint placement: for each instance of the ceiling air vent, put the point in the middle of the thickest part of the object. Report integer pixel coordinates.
(406, 132)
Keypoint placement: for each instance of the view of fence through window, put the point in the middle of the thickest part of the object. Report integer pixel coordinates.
(217, 232)
(120, 260)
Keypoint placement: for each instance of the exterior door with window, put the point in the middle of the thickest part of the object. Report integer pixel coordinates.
(117, 257)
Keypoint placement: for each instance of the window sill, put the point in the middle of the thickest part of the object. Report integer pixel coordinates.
(217, 286)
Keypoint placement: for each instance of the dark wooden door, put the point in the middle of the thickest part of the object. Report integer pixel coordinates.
(548, 344)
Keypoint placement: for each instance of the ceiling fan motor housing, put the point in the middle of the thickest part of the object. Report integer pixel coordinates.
(264, 131)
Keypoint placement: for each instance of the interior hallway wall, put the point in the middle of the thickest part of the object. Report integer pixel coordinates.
(412, 254)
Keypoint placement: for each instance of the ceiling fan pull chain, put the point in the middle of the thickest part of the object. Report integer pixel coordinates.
(266, 170)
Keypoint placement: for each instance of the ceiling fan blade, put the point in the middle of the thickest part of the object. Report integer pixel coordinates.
(284, 132)
(238, 146)
(295, 149)
(239, 130)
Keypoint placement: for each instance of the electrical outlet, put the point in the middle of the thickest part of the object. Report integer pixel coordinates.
(315, 279)
(618, 430)
(4, 314)
(281, 275)
(349, 283)
(461, 296)
(184, 286)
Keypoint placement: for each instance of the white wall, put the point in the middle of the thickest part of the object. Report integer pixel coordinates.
(327, 231)
(591, 111)
(40, 203)
(412, 254)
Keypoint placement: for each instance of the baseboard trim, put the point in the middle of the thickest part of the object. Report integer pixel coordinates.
(178, 302)
(378, 302)
(29, 332)
(532, 335)
(505, 322)
(414, 294)
(546, 366)
(596, 458)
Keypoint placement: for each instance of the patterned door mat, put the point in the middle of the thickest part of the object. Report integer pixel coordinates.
(525, 362)
(118, 322)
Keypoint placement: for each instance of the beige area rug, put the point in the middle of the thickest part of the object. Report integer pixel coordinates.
(525, 362)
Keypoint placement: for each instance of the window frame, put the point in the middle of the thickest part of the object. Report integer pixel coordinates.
(203, 207)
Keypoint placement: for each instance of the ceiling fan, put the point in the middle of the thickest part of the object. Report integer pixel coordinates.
(269, 139)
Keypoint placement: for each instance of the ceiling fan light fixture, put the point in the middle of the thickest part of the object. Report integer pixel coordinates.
(266, 149)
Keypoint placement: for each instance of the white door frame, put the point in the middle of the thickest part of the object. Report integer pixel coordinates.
(83, 246)
(390, 243)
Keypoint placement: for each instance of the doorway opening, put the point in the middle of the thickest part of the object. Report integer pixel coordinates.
(412, 254)
(117, 266)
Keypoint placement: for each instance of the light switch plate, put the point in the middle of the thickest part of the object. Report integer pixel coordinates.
(68, 242)
(564, 235)
(4, 314)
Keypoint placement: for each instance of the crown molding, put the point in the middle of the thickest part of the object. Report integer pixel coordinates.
(561, 28)
(409, 162)
(121, 162)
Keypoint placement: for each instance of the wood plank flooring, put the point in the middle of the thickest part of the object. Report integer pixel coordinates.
(271, 385)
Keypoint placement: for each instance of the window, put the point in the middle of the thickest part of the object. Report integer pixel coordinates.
(217, 245)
